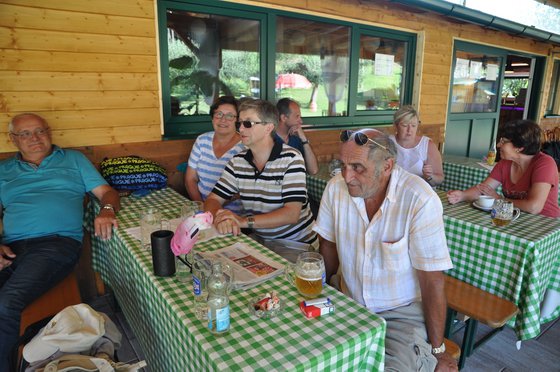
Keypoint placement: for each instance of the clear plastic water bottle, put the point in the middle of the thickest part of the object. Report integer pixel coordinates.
(218, 300)
(201, 270)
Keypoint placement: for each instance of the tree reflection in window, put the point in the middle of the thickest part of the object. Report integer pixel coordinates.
(210, 55)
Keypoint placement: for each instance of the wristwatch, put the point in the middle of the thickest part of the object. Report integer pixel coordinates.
(109, 207)
(439, 350)
(305, 142)
(250, 221)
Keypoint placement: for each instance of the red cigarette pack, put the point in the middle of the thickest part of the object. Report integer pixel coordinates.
(313, 311)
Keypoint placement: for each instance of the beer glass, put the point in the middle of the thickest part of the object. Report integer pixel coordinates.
(308, 274)
(503, 212)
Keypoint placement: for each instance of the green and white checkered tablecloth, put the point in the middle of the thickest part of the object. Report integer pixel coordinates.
(317, 183)
(461, 173)
(519, 262)
(159, 311)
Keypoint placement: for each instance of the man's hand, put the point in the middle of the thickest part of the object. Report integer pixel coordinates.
(6, 256)
(298, 131)
(104, 223)
(445, 363)
(227, 222)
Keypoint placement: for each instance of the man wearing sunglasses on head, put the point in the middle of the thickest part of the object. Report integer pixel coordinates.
(270, 180)
(381, 230)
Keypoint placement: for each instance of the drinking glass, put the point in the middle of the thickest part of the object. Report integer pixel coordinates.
(190, 208)
(308, 274)
(503, 212)
(150, 221)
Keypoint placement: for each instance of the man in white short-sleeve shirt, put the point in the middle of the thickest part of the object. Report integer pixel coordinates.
(382, 230)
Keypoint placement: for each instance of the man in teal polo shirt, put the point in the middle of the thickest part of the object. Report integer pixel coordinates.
(41, 193)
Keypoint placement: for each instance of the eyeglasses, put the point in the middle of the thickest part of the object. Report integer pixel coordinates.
(26, 134)
(503, 141)
(359, 137)
(248, 123)
(220, 115)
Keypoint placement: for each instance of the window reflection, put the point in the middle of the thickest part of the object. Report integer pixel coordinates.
(210, 55)
(475, 82)
(312, 65)
(380, 75)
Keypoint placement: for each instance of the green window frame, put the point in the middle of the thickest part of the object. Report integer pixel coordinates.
(189, 126)
(553, 104)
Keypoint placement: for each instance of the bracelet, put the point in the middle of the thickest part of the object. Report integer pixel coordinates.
(429, 179)
(250, 221)
(109, 207)
(306, 142)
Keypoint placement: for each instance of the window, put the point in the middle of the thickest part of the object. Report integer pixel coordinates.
(209, 56)
(476, 80)
(342, 74)
(553, 105)
(380, 76)
(312, 65)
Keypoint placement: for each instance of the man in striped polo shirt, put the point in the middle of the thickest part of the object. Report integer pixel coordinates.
(270, 180)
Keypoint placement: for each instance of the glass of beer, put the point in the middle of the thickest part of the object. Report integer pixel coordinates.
(503, 212)
(308, 274)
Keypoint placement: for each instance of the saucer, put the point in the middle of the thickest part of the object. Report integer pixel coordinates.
(478, 206)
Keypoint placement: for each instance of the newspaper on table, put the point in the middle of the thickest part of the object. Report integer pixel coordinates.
(248, 265)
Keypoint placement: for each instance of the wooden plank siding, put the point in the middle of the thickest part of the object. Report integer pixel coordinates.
(90, 67)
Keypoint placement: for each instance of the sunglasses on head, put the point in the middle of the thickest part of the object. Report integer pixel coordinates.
(248, 123)
(359, 137)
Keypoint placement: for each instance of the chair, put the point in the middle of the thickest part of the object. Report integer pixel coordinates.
(478, 306)
(64, 294)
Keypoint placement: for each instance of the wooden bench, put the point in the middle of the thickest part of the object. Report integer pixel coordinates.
(478, 306)
(62, 295)
(452, 349)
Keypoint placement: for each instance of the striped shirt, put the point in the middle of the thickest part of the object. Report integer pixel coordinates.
(281, 181)
(379, 258)
(209, 168)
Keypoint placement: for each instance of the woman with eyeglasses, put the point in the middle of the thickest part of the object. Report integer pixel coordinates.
(416, 154)
(213, 150)
(529, 177)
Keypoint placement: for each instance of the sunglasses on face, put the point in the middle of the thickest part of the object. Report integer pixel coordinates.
(221, 115)
(248, 123)
(359, 137)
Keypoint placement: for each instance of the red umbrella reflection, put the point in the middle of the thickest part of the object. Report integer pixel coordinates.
(292, 81)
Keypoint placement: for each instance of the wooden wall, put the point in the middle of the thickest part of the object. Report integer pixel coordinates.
(90, 67)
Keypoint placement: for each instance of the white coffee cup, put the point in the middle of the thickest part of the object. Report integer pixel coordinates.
(485, 201)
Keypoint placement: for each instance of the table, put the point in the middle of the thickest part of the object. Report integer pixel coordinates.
(159, 311)
(461, 172)
(520, 263)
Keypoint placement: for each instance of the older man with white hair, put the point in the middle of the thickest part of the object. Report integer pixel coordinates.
(382, 229)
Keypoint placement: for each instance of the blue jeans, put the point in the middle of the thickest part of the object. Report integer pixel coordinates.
(39, 265)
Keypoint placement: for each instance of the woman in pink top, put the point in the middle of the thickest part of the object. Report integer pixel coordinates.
(528, 177)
